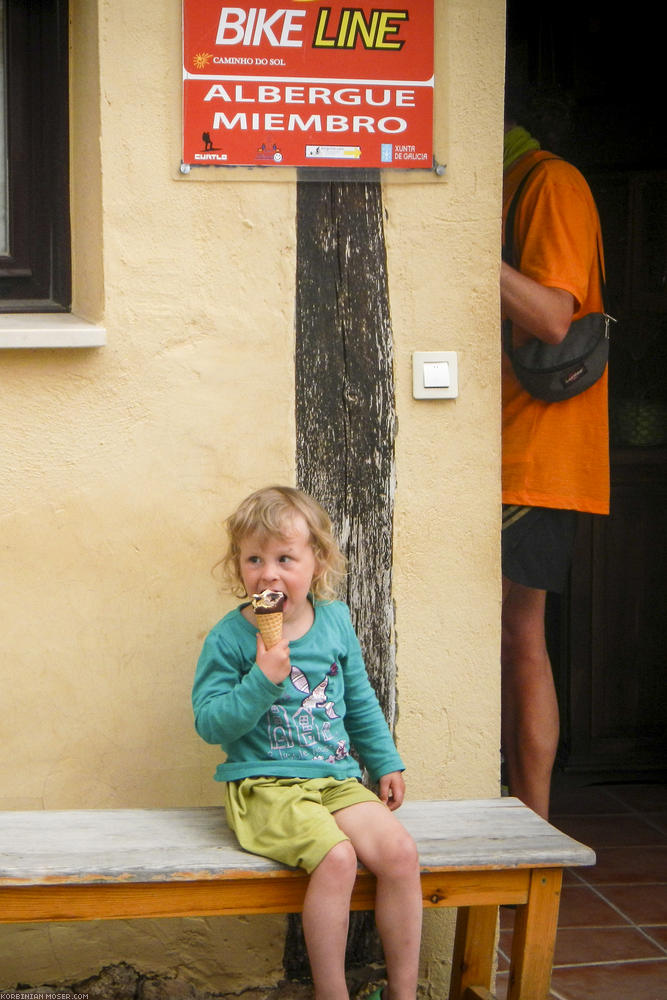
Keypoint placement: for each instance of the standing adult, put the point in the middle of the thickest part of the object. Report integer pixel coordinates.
(555, 455)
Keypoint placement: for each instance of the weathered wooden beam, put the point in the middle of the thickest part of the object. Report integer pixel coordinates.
(345, 425)
(345, 414)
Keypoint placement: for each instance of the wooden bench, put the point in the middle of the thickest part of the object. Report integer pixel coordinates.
(127, 863)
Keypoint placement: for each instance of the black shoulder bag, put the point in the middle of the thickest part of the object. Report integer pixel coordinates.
(555, 372)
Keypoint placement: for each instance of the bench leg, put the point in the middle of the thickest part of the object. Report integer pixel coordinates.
(474, 949)
(534, 937)
(478, 993)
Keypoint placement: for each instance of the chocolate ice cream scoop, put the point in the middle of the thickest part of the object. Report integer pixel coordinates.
(268, 602)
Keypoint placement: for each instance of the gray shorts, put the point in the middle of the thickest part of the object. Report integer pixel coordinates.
(537, 546)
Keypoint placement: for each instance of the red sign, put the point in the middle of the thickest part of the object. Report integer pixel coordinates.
(304, 83)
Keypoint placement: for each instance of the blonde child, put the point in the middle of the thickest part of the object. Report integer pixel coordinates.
(287, 717)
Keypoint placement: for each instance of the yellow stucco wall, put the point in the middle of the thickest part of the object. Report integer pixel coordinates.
(119, 465)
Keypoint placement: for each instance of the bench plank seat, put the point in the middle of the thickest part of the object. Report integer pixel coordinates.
(126, 863)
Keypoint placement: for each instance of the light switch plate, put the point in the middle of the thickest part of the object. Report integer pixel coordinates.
(422, 376)
(436, 375)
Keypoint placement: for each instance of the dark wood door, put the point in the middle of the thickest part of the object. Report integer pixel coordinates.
(611, 660)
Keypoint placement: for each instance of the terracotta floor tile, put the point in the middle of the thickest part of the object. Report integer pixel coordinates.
(574, 876)
(623, 865)
(591, 945)
(641, 904)
(587, 800)
(504, 946)
(587, 945)
(580, 906)
(501, 988)
(506, 918)
(645, 798)
(619, 981)
(583, 945)
(612, 928)
(657, 819)
(625, 830)
(659, 934)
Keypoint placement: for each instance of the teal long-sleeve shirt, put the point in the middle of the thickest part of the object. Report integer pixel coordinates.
(303, 727)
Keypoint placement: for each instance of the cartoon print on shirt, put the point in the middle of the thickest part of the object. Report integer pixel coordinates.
(305, 725)
(315, 698)
(303, 728)
(280, 731)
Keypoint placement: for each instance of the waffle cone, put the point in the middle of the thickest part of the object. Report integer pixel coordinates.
(270, 628)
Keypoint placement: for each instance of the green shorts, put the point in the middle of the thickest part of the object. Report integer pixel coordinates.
(290, 819)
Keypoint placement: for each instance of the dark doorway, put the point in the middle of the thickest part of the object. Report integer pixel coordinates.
(599, 74)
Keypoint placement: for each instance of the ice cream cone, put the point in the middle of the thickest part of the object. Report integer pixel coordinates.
(271, 628)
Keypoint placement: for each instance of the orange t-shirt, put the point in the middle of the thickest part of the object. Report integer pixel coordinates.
(555, 454)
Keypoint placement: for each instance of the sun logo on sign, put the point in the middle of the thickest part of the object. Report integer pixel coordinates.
(202, 59)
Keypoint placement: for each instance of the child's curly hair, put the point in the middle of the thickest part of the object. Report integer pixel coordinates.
(268, 512)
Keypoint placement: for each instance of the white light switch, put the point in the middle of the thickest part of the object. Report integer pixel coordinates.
(435, 375)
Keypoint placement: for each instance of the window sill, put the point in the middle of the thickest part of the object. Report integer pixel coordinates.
(30, 330)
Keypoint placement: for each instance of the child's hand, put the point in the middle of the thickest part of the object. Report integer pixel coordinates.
(274, 662)
(392, 789)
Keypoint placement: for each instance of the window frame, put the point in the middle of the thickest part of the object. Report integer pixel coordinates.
(35, 276)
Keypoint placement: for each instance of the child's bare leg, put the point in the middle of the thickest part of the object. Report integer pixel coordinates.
(386, 848)
(398, 916)
(326, 915)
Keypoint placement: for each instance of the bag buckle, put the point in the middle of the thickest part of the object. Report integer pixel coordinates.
(607, 320)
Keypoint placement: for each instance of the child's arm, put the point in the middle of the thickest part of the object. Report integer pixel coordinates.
(364, 719)
(392, 789)
(231, 693)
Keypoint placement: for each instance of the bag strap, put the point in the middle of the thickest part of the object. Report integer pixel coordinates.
(508, 243)
(508, 248)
